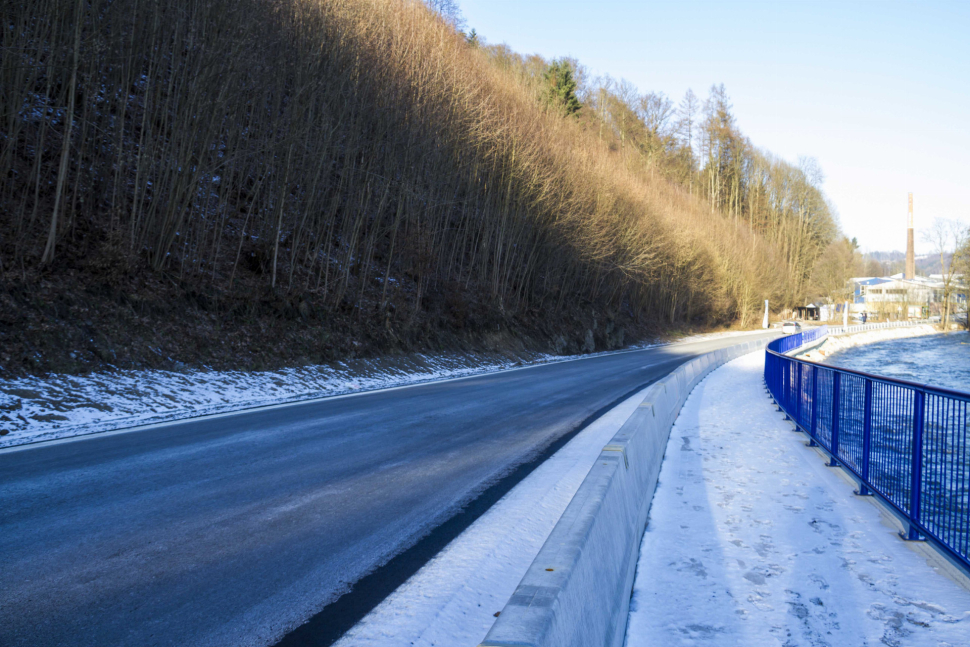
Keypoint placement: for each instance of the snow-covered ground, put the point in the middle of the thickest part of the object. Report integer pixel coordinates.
(33, 409)
(453, 599)
(752, 540)
(837, 343)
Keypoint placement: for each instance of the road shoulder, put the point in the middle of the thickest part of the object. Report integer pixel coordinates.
(453, 599)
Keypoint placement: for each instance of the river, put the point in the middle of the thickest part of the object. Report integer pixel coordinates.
(939, 360)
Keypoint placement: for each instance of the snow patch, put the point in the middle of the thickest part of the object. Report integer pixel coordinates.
(752, 540)
(34, 409)
(835, 343)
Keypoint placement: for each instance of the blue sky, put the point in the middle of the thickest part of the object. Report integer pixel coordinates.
(877, 92)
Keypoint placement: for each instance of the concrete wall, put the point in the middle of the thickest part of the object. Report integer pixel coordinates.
(577, 591)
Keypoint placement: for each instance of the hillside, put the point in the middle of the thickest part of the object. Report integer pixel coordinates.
(253, 184)
(894, 262)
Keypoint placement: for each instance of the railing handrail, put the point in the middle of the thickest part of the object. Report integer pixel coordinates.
(917, 479)
(872, 376)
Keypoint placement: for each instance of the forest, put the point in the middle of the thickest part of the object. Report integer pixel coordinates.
(249, 184)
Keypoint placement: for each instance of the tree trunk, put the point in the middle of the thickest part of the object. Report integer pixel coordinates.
(66, 149)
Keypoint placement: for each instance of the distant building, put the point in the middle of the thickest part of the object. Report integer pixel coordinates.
(887, 298)
(822, 311)
(892, 298)
(900, 296)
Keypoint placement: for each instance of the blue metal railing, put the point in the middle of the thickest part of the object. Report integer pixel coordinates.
(908, 443)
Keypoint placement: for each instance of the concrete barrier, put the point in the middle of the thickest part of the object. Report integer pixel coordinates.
(577, 590)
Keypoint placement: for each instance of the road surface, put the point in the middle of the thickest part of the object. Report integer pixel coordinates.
(235, 530)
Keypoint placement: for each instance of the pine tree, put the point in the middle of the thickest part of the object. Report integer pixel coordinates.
(560, 90)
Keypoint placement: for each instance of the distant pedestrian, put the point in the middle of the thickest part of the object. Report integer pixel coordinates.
(864, 317)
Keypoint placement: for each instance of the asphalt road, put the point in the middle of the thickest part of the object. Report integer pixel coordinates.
(235, 530)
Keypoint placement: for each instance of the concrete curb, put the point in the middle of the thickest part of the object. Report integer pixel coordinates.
(577, 590)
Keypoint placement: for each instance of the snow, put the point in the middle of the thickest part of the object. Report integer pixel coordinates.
(836, 343)
(453, 599)
(752, 540)
(34, 409)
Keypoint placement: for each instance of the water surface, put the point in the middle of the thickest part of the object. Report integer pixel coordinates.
(940, 360)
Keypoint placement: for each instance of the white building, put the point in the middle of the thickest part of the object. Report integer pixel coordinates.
(894, 298)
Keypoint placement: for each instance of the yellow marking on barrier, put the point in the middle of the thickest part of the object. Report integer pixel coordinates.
(622, 450)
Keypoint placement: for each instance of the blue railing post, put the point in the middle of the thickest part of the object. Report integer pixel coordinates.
(866, 438)
(783, 400)
(811, 431)
(945, 524)
(916, 469)
(836, 396)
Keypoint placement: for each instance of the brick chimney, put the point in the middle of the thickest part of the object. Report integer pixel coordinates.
(910, 252)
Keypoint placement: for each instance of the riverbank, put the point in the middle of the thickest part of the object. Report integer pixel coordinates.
(838, 343)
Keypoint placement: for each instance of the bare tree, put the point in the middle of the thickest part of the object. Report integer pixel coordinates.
(450, 11)
(947, 237)
(690, 105)
(360, 153)
(835, 266)
(961, 267)
(656, 111)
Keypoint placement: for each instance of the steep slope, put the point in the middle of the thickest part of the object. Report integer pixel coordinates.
(249, 183)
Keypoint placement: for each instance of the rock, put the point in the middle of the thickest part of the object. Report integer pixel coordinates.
(559, 345)
(617, 338)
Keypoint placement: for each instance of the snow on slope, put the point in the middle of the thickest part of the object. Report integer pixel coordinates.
(57, 406)
(33, 409)
(752, 540)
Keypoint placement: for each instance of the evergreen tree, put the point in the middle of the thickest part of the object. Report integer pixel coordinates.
(560, 87)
